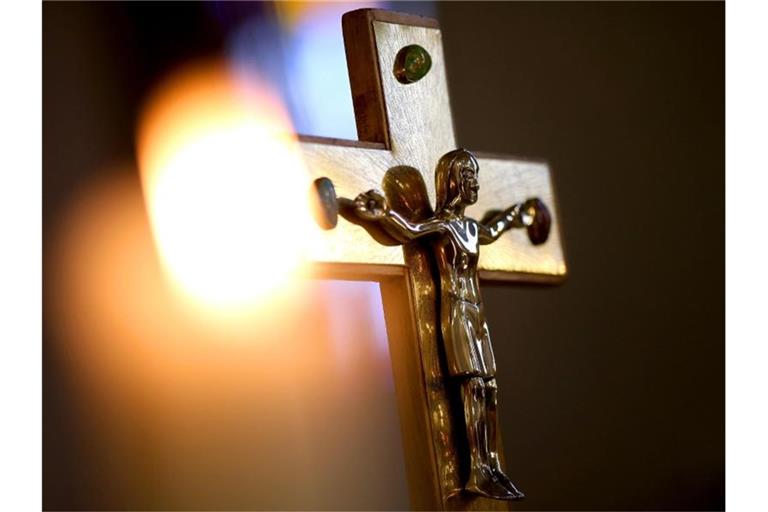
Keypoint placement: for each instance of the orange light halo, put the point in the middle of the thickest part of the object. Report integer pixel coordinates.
(224, 185)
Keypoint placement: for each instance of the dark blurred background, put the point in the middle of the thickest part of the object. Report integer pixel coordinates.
(612, 385)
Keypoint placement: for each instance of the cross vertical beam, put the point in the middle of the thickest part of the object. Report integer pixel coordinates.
(409, 126)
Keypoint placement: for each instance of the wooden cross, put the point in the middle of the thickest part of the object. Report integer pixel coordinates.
(409, 126)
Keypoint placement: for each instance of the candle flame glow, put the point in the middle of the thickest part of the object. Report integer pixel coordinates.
(224, 185)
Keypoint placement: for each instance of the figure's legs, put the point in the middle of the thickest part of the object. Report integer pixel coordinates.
(491, 392)
(481, 475)
(470, 359)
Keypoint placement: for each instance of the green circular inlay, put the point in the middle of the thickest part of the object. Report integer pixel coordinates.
(412, 64)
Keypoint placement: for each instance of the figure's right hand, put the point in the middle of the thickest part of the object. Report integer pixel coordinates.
(371, 205)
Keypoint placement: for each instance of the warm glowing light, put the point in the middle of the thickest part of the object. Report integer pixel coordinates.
(198, 407)
(225, 186)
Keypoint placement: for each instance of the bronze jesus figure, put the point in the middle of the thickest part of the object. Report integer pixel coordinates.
(455, 240)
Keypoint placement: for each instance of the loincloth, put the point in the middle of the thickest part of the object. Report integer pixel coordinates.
(467, 342)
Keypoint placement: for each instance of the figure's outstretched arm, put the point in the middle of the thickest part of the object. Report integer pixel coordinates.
(372, 206)
(491, 229)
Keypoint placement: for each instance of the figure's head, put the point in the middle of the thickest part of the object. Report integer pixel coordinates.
(456, 179)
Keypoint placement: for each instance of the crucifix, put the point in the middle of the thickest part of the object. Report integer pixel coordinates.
(426, 259)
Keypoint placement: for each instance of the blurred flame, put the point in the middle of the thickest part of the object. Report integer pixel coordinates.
(220, 169)
(185, 411)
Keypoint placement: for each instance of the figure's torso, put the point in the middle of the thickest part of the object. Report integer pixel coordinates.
(458, 251)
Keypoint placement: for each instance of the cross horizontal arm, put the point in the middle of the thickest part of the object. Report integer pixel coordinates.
(505, 181)
(411, 125)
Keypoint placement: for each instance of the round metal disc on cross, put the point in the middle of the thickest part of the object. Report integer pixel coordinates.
(538, 220)
(325, 205)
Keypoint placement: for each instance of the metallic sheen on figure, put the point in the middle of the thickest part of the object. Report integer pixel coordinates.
(456, 239)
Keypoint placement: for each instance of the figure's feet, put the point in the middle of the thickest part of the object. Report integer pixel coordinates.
(507, 484)
(482, 481)
(504, 480)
